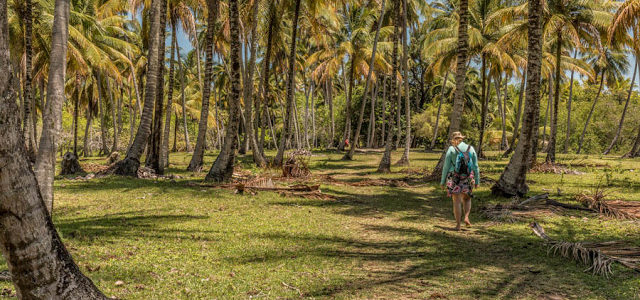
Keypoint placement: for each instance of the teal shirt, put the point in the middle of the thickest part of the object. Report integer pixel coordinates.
(450, 162)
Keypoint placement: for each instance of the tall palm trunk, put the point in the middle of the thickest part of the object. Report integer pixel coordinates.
(222, 168)
(129, 166)
(114, 118)
(461, 73)
(101, 108)
(442, 96)
(87, 130)
(516, 127)
(132, 115)
(195, 164)
(513, 179)
(28, 121)
(486, 91)
(553, 133)
(184, 104)
(45, 166)
(502, 104)
(266, 66)
(356, 134)
(249, 93)
(404, 160)
(565, 149)
(347, 107)
(372, 118)
(169, 112)
(332, 138)
(624, 112)
(154, 153)
(547, 113)
(385, 163)
(290, 87)
(593, 108)
(75, 117)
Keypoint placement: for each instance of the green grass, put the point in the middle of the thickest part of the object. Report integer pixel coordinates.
(169, 240)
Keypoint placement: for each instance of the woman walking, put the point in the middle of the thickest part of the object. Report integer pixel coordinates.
(460, 174)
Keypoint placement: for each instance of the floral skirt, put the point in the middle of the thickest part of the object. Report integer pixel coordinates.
(457, 184)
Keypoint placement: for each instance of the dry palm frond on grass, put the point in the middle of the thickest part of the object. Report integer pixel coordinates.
(551, 168)
(597, 202)
(598, 256)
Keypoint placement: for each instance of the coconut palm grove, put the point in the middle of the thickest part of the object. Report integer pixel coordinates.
(320, 149)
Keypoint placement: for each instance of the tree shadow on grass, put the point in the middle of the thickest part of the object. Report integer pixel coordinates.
(131, 225)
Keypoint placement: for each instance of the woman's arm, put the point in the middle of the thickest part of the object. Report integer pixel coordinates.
(474, 165)
(446, 167)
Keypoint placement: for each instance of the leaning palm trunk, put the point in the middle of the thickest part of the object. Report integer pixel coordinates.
(169, 112)
(222, 168)
(154, 150)
(442, 96)
(45, 166)
(593, 108)
(598, 256)
(290, 88)
(385, 162)
(198, 153)
(356, 134)
(624, 112)
(40, 265)
(461, 73)
(129, 166)
(635, 150)
(553, 133)
(404, 160)
(513, 179)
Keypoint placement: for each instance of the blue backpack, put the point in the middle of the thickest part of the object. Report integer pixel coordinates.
(463, 159)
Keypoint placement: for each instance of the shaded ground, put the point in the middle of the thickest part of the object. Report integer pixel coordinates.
(166, 239)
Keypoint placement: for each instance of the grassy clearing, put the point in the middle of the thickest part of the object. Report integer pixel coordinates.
(169, 240)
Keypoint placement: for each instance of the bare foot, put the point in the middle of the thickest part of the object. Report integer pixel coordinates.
(468, 223)
(458, 227)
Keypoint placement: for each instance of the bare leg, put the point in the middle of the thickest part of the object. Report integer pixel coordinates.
(467, 209)
(457, 201)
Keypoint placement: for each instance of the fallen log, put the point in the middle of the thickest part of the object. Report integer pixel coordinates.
(567, 206)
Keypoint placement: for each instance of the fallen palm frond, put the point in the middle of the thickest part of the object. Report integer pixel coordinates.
(552, 168)
(597, 202)
(598, 256)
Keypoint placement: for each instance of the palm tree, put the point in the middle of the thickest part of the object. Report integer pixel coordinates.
(574, 21)
(385, 163)
(356, 134)
(610, 65)
(222, 168)
(129, 165)
(627, 19)
(404, 160)
(45, 165)
(290, 87)
(258, 158)
(461, 72)
(513, 179)
(198, 153)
